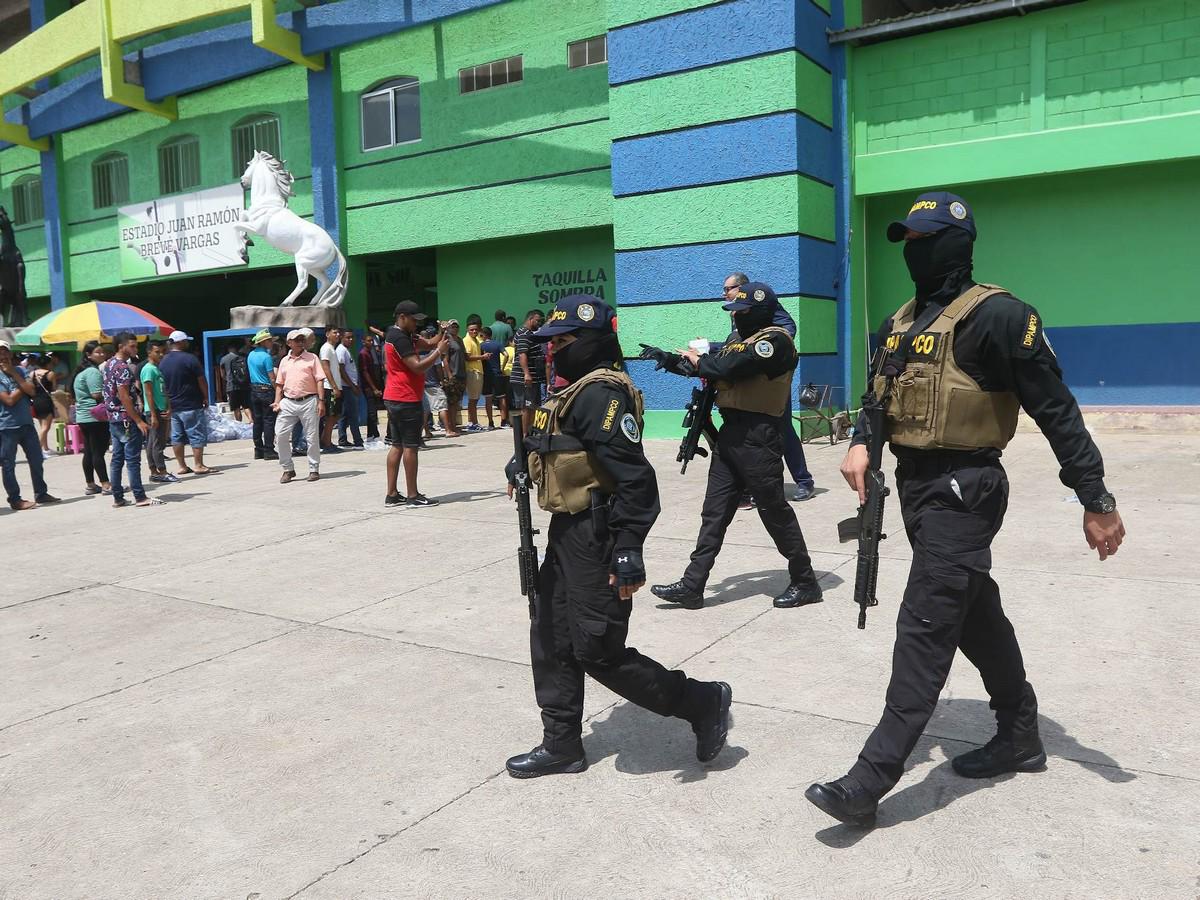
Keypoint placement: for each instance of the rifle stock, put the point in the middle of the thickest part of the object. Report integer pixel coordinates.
(697, 419)
(527, 553)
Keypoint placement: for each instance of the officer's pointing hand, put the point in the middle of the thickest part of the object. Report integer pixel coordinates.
(1104, 532)
(661, 357)
(628, 572)
(854, 470)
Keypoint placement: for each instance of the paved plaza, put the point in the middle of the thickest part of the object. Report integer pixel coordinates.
(268, 691)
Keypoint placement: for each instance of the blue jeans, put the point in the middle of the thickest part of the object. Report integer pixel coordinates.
(353, 415)
(793, 450)
(25, 437)
(127, 444)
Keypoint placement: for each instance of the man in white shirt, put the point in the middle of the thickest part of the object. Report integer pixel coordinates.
(353, 401)
(332, 385)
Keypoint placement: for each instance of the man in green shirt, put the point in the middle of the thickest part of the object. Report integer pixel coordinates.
(158, 414)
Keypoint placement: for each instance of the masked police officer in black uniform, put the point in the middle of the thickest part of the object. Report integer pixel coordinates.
(964, 357)
(592, 474)
(754, 379)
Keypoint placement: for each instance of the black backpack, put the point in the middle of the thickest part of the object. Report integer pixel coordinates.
(239, 375)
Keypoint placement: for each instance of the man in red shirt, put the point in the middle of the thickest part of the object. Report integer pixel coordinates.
(403, 390)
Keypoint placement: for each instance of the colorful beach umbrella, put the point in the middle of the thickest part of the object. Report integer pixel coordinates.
(95, 320)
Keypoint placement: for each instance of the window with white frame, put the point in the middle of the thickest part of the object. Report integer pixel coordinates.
(110, 180)
(260, 132)
(391, 114)
(490, 75)
(27, 200)
(588, 52)
(179, 164)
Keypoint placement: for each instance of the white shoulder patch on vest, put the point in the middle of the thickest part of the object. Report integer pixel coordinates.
(765, 349)
(629, 427)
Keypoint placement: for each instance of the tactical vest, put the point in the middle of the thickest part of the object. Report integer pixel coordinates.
(565, 473)
(759, 394)
(936, 405)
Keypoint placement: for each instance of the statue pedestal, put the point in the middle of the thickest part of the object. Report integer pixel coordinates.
(9, 334)
(286, 317)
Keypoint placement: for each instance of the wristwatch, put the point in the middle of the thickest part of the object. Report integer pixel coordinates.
(1103, 505)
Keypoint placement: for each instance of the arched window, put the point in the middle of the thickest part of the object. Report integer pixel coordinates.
(179, 164)
(391, 114)
(27, 200)
(110, 180)
(257, 132)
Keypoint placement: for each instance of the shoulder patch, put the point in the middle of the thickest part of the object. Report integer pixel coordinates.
(629, 427)
(610, 415)
(764, 348)
(1031, 330)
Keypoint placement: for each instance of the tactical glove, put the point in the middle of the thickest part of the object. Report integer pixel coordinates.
(662, 359)
(627, 565)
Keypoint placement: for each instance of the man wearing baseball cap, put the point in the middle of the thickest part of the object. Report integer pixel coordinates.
(299, 399)
(754, 381)
(403, 392)
(956, 363)
(187, 387)
(585, 453)
(261, 366)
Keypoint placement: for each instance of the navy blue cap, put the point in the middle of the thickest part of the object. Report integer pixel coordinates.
(573, 312)
(750, 295)
(931, 213)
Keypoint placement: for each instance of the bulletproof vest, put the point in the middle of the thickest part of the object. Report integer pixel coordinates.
(935, 404)
(564, 471)
(759, 394)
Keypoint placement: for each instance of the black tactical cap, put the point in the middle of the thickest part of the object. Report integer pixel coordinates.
(931, 213)
(573, 312)
(750, 295)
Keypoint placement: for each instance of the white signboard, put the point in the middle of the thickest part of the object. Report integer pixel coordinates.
(183, 233)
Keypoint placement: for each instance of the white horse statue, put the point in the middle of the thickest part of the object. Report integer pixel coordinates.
(270, 186)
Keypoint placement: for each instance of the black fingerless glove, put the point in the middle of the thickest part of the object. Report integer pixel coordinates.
(627, 565)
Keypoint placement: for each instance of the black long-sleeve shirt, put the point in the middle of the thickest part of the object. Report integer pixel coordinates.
(1002, 346)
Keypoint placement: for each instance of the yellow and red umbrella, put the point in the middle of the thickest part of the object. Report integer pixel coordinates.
(95, 320)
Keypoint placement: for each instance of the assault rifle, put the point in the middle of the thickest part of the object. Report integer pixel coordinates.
(527, 554)
(698, 422)
(867, 526)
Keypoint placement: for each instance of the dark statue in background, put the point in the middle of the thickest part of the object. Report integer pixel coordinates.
(12, 276)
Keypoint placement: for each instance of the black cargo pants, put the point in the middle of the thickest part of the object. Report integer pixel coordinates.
(951, 514)
(580, 626)
(749, 457)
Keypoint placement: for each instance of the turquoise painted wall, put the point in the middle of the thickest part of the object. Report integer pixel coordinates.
(17, 163)
(91, 233)
(518, 159)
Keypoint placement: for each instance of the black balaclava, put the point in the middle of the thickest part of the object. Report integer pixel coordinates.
(940, 265)
(756, 318)
(591, 348)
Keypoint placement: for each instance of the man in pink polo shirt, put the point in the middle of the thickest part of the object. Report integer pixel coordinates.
(298, 385)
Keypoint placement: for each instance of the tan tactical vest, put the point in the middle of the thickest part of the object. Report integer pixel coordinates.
(759, 394)
(935, 404)
(565, 473)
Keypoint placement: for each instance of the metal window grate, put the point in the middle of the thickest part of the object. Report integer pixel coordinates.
(588, 52)
(110, 181)
(256, 133)
(27, 201)
(178, 165)
(490, 75)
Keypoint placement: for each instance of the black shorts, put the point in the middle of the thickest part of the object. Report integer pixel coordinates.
(404, 425)
(239, 399)
(333, 405)
(500, 387)
(527, 396)
(489, 384)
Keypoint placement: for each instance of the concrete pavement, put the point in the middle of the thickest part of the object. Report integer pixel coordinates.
(268, 691)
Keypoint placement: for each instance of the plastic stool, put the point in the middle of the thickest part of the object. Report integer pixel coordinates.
(75, 438)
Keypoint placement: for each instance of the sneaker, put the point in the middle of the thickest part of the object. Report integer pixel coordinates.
(420, 500)
(45, 498)
(313, 476)
(803, 492)
(331, 449)
(91, 489)
(271, 454)
(394, 500)
(747, 502)
(171, 479)
(158, 479)
(473, 429)
(344, 444)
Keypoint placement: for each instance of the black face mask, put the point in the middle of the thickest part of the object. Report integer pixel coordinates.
(592, 348)
(940, 265)
(749, 321)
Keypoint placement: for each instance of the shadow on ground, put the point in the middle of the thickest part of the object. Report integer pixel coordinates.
(767, 583)
(941, 786)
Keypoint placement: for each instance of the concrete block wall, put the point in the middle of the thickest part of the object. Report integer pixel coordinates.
(723, 159)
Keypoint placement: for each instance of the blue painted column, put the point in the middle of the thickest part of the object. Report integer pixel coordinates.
(56, 246)
(841, 134)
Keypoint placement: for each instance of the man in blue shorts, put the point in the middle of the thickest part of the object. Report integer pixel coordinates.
(187, 387)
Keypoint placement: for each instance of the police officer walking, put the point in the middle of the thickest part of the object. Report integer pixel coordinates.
(753, 377)
(586, 455)
(959, 359)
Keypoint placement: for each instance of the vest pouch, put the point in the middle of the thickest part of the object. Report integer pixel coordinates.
(566, 482)
(913, 391)
(979, 419)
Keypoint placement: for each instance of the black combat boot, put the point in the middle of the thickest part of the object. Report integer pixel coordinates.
(1015, 748)
(679, 593)
(846, 800)
(258, 453)
(799, 593)
(712, 730)
(540, 761)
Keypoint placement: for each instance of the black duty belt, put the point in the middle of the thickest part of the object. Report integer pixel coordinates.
(936, 462)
